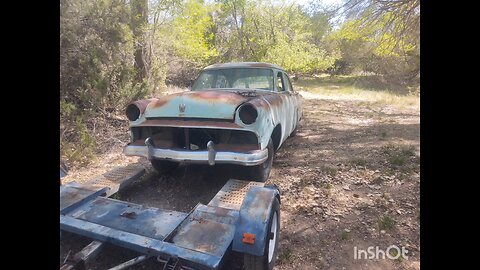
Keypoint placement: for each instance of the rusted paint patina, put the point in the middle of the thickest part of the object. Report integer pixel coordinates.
(206, 236)
(219, 109)
(162, 101)
(197, 104)
(214, 97)
(189, 124)
(146, 221)
(73, 195)
(142, 104)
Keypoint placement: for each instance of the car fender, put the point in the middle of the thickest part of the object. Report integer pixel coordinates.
(253, 219)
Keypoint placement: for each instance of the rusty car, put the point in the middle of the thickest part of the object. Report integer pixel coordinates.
(234, 113)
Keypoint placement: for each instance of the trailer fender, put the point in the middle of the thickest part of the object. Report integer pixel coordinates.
(251, 229)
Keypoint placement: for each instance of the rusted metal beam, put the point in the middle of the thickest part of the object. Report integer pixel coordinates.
(78, 261)
(131, 262)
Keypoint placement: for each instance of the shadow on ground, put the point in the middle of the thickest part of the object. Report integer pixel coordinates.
(351, 168)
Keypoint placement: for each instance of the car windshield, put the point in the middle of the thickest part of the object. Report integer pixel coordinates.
(235, 78)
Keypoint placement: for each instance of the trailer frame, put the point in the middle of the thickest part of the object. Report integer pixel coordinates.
(235, 219)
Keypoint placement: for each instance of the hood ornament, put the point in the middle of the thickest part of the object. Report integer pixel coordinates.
(181, 107)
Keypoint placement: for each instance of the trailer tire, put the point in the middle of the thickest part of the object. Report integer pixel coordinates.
(260, 173)
(163, 166)
(267, 261)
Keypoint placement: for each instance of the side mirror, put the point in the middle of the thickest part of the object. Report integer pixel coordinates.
(190, 84)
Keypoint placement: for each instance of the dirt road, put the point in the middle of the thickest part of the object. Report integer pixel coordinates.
(349, 179)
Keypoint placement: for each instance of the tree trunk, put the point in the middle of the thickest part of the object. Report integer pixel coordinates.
(139, 22)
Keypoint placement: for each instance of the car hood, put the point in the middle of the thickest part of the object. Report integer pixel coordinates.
(214, 104)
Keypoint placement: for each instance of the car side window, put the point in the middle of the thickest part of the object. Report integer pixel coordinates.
(288, 84)
(280, 83)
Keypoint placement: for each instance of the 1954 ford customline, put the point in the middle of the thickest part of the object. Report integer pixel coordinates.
(236, 113)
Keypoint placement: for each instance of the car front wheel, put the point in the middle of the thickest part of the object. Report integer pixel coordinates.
(261, 172)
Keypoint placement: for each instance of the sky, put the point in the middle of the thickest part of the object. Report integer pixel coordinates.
(324, 2)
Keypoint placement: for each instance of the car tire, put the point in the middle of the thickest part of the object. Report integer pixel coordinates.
(267, 261)
(163, 166)
(294, 132)
(260, 173)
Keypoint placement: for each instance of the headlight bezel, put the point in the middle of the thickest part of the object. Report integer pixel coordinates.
(248, 114)
(133, 112)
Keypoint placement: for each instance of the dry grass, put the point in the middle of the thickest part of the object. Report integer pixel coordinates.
(351, 172)
(363, 88)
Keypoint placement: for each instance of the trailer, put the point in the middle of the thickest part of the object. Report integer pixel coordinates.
(242, 218)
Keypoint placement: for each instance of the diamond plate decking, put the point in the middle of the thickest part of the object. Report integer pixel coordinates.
(232, 194)
(117, 179)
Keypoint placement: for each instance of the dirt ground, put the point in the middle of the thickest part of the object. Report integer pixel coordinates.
(349, 178)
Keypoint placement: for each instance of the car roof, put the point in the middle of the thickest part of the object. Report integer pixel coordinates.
(244, 65)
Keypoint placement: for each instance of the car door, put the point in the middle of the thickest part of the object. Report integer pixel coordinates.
(288, 112)
(296, 99)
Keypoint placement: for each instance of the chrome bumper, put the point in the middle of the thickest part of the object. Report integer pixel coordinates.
(210, 156)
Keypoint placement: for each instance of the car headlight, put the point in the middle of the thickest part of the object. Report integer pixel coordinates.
(133, 112)
(248, 114)
(136, 108)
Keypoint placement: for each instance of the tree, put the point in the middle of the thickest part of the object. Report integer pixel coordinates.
(399, 18)
(139, 22)
(380, 36)
(271, 31)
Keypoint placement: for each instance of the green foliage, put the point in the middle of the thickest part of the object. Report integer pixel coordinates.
(345, 236)
(275, 32)
(116, 51)
(96, 54)
(299, 56)
(399, 156)
(77, 145)
(67, 109)
(386, 223)
(377, 47)
(191, 36)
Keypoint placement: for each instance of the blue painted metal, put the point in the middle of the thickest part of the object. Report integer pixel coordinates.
(139, 243)
(208, 229)
(63, 173)
(129, 217)
(254, 216)
(200, 239)
(72, 196)
(198, 104)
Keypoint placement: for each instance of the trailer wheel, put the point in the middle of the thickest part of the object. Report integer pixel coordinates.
(163, 166)
(267, 261)
(261, 172)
